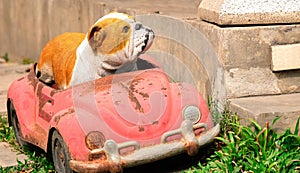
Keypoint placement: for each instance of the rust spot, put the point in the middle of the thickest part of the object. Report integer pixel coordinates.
(57, 118)
(132, 97)
(32, 78)
(104, 83)
(136, 101)
(43, 99)
(53, 92)
(100, 156)
(44, 115)
(191, 148)
(154, 122)
(145, 95)
(38, 136)
(163, 88)
(98, 165)
(141, 129)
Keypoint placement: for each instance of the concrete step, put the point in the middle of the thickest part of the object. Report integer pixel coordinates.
(266, 108)
(8, 156)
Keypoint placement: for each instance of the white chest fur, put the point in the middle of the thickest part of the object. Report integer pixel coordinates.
(86, 65)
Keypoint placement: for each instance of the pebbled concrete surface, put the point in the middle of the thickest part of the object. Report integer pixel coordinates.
(241, 12)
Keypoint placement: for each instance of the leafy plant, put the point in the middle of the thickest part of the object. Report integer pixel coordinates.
(5, 57)
(257, 149)
(6, 132)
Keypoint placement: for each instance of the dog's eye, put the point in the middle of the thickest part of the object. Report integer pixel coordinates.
(125, 29)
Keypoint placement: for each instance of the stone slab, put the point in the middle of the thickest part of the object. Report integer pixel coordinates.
(241, 12)
(285, 57)
(266, 108)
(9, 157)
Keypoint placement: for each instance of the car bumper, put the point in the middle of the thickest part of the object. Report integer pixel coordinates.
(114, 162)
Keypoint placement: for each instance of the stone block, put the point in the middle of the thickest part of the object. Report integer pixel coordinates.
(241, 12)
(266, 108)
(249, 82)
(285, 57)
(245, 54)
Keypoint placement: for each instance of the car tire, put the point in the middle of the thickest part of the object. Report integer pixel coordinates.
(60, 154)
(16, 125)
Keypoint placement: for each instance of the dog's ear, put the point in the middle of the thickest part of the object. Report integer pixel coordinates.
(96, 37)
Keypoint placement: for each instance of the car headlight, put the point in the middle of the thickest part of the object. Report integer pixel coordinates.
(94, 140)
(191, 113)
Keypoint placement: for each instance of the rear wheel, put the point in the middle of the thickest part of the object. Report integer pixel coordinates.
(60, 154)
(16, 125)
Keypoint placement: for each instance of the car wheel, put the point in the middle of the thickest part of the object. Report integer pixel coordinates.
(60, 154)
(16, 125)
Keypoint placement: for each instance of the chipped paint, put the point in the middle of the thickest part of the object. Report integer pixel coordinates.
(68, 112)
(38, 136)
(32, 80)
(133, 98)
(141, 129)
(43, 99)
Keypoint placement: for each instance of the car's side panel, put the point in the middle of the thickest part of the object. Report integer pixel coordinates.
(66, 123)
(21, 95)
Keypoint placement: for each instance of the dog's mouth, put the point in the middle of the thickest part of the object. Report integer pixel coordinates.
(147, 42)
(111, 65)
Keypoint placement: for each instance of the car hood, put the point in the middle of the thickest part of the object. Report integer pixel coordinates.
(137, 106)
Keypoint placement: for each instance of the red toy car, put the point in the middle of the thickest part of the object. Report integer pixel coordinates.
(117, 121)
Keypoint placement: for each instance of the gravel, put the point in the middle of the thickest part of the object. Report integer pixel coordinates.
(260, 6)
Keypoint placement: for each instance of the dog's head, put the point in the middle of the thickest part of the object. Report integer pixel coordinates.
(118, 39)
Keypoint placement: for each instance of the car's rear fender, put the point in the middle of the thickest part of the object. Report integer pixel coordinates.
(21, 95)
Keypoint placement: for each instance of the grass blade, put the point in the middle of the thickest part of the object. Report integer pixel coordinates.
(297, 127)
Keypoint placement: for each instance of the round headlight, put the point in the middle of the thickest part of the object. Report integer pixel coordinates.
(94, 140)
(191, 113)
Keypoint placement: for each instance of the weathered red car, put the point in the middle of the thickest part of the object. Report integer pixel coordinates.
(117, 121)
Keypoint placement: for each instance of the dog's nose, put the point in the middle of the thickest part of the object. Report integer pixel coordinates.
(138, 26)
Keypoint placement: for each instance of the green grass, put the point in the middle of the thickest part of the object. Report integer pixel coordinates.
(252, 149)
(37, 161)
(237, 149)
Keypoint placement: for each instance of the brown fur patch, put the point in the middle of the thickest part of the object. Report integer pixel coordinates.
(111, 34)
(60, 54)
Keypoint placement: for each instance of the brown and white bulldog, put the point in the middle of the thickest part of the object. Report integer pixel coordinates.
(113, 43)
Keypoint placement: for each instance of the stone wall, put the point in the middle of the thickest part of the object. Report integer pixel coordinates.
(27, 25)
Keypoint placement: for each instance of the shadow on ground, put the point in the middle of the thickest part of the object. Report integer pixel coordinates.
(175, 164)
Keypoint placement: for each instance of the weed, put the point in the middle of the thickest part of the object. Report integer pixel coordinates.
(5, 57)
(243, 149)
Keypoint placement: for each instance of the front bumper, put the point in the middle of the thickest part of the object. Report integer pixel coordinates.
(114, 162)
